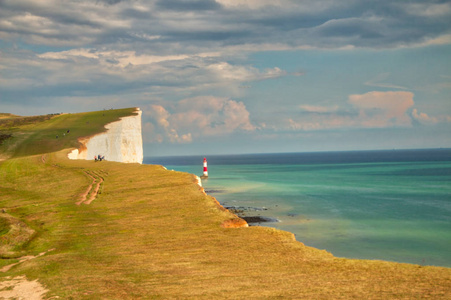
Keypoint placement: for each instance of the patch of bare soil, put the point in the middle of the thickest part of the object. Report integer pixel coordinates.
(92, 190)
(23, 259)
(85, 194)
(21, 288)
(234, 223)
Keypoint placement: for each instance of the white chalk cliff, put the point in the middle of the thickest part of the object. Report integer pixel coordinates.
(122, 142)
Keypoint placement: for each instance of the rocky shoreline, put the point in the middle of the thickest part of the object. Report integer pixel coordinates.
(251, 219)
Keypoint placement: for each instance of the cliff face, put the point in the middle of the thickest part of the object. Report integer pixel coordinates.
(122, 142)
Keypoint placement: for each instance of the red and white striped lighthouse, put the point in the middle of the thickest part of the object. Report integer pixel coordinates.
(205, 168)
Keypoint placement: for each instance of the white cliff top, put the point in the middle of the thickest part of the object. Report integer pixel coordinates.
(122, 142)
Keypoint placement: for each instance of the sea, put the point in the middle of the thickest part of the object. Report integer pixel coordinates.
(392, 205)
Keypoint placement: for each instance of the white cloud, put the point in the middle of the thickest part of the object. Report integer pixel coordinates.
(383, 109)
(89, 71)
(144, 36)
(150, 48)
(370, 110)
(115, 58)
(305, 125)
(230, 72)
(137, 45)
(59, 23)
(162, 128)
(142, 24)
(423, 118)
(444, 39)
(274, 6)
(198, 117)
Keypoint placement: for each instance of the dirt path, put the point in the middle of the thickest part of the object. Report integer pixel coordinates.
(97, 180)
(21, 288)
(95, 192)
(23, 259)
(85, 194)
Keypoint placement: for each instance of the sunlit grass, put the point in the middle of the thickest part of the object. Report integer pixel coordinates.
(152, 233)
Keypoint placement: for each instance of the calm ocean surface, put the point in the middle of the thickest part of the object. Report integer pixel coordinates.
(389, 205)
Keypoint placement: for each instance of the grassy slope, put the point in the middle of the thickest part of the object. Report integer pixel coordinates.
(37, 135)
(152, 233)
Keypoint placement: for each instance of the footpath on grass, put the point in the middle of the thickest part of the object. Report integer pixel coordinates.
(152, 233)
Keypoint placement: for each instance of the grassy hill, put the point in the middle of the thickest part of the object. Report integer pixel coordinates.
(50, 133)
(150, 233)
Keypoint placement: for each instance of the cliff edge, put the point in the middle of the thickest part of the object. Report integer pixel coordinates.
(122, 142)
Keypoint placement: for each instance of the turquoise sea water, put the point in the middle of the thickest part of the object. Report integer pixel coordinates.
(389, 205)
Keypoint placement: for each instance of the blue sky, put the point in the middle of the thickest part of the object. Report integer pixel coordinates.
(218, 77)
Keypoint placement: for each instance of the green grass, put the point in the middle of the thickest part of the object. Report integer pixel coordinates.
(7, 116)
(38, 135)
(4, 226)
(152, 234)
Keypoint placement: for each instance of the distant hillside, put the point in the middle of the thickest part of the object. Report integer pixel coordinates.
(11, 121)
(22, 136)
(7, 115)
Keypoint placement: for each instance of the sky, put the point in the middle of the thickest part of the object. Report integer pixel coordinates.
(236, 76)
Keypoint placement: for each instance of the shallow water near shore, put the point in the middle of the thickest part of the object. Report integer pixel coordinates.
(388, 205)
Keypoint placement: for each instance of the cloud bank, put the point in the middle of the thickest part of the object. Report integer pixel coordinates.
(97, 47)
(191, 64)
(197, 118)
(370, 110)
(208, 24)
(202, 117)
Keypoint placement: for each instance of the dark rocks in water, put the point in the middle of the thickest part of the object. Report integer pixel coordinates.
(235, 211)
(240, 209)
(214, 191)
(259, 219)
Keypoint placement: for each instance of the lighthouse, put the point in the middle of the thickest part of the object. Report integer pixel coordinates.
(205, 169)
